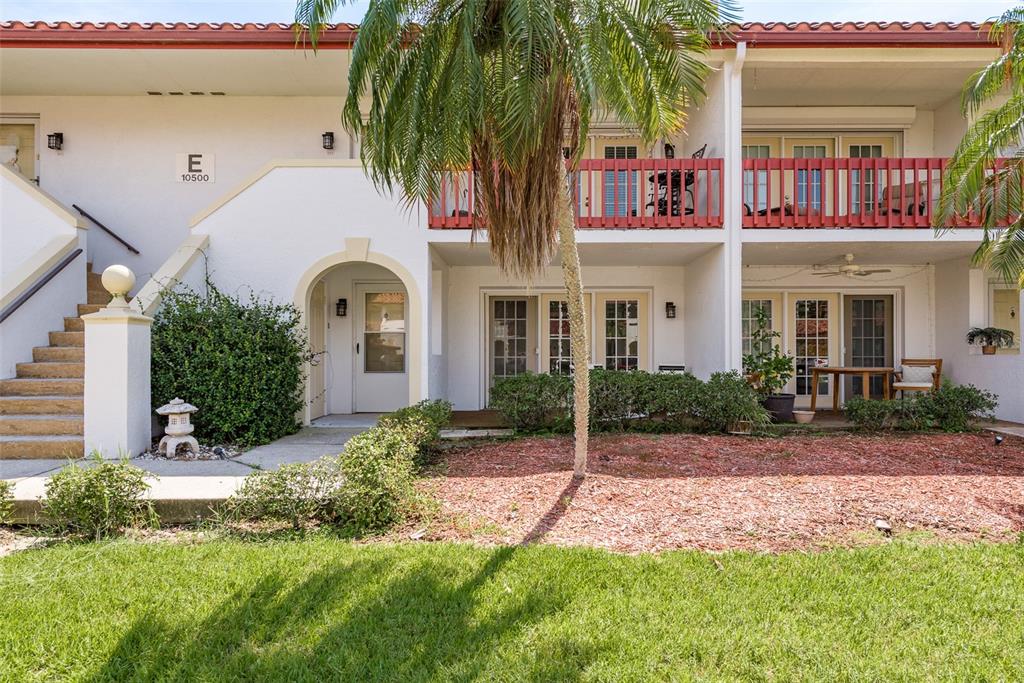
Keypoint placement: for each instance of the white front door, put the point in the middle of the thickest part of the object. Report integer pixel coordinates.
(381, 363)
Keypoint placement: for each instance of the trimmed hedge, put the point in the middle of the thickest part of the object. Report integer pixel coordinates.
(6, 501)
(97, 500)
(630, 400)
(367, 488)
(952, 409)
(240, 362)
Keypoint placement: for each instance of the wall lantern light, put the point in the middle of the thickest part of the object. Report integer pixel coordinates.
(329, 139)
(670, 150)
(55, 141)
(670, 309)
(341, 308)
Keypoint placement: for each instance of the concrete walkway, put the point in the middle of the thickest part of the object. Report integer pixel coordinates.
(183, 489)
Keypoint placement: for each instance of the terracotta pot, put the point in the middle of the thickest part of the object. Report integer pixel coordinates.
(988, 350)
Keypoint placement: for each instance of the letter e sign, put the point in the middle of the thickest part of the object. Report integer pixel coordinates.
(194, 167)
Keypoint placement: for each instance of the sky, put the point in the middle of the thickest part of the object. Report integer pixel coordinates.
(282, 10)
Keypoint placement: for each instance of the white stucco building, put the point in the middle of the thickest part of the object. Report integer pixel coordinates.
(202, 148)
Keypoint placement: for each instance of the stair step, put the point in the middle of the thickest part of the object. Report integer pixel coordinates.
(75, 324)
(54, 446)
(85, 309)
(67, 339)
(47, 354)
(100, 297)
(54, 369)
(41, 405)
(42, 386)
(41, 425)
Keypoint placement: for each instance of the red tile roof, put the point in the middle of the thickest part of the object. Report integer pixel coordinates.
(252, 35)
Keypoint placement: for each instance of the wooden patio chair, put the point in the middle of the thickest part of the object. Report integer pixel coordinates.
(918, 374)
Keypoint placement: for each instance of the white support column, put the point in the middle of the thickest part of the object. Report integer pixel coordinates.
(733, 198)
(117, 373)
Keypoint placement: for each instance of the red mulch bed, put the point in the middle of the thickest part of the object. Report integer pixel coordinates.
(650, 493)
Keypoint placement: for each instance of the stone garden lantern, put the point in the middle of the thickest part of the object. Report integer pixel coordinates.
(179, 427)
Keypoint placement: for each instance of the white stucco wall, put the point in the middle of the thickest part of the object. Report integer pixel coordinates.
(465, 318)
(279, 247)
(960, 292)
(118, 161)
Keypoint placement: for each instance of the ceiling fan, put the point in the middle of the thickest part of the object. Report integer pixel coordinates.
(847, 268)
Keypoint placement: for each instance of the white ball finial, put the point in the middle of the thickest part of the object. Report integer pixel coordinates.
(118, 280)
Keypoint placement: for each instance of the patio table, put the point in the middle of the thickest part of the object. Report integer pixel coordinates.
(838, 371)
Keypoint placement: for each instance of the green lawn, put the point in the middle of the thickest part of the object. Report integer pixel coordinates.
(320, 608)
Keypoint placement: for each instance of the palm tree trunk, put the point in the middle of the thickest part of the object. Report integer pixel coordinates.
(579, 351)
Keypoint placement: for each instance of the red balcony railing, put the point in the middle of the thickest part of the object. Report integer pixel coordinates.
(614, 193)
(843, 193)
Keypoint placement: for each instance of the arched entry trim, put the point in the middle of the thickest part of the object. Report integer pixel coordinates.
(357, 251)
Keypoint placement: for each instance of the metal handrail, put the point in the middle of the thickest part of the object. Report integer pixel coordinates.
(38, 284)
(105, 229)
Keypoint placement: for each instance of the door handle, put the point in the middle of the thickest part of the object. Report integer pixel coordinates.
(357, 348)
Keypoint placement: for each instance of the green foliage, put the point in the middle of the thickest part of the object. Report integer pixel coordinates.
(295, 493)
(378, 478)
(367, 488)
(97, 499)
(533, 401)
(727, 399)
(771, 368)
(6, 500)
(239, 362)
(953, 406)
(990, 336)
(631, 400)
(952, 409)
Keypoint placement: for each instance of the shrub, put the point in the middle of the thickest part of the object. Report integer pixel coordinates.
(869, 415)
(430, 416)
(726, 399)
(616, 396)
(6, 501)
(953, 406)
(951, 409)
(673, 397)
(240, 363)
(296, 493)
(533, 402)
(98, 499)
(378, 473)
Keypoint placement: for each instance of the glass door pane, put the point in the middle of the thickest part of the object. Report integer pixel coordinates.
(509, 338)
(812, 343)
(622, 334)
(868, 339)
(384, 332)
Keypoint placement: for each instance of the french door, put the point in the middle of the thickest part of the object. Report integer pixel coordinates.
(813, 340)
(555, 354)
(622, 331)
(513, 336)
(381, 369)
(867, 339)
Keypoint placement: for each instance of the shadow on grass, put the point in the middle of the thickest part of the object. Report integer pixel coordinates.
(368, 620)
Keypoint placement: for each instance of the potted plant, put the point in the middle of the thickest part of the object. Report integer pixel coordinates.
(769, 369)
(989, 338)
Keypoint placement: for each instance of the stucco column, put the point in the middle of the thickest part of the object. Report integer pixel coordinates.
(117, 373)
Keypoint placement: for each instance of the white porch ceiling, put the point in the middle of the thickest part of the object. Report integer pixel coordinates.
(637, 254)
(865, 253)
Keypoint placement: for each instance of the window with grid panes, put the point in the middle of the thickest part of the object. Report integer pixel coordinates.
(808, 182)
(616, 200)
(870, 191)
(756, 152)
(622, 334)
(748, 315)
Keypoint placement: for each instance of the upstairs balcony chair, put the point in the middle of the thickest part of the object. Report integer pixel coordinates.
(671, 185)
(900, 199)
(918, 374)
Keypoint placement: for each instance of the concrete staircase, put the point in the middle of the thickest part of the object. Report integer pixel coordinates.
(41, 408)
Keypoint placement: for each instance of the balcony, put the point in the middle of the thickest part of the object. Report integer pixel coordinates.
(614, 194)
(844, 193)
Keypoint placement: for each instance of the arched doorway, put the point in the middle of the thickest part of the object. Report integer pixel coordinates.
(363, 317)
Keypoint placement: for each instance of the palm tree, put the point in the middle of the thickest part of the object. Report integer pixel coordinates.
(501, 87)
(971, 184)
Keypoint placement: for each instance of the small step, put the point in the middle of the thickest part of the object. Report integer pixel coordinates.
(41, 405)
(56, 369)
(85, 309)
(67, 339)
(75, 324)
(41, 425)
(56, 446)
(47, 354)
(98, 296)
(42, 386)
